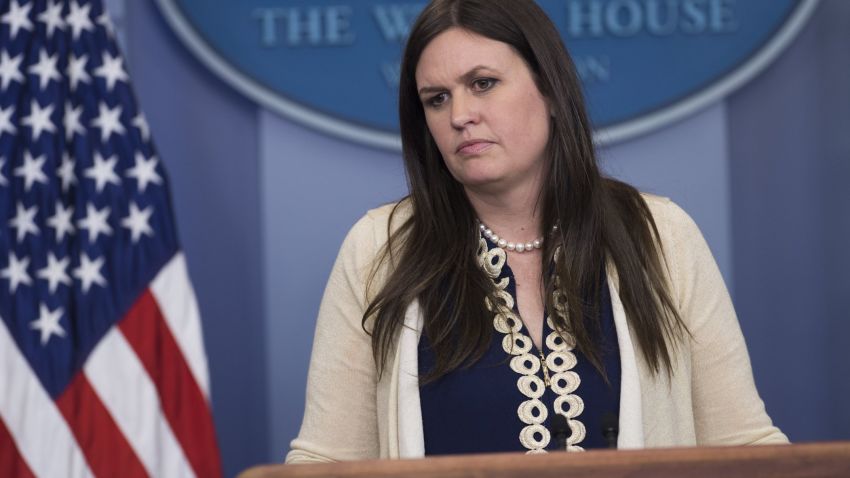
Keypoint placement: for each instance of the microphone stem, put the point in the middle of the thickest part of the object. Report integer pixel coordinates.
(562, 441)
(611, 438)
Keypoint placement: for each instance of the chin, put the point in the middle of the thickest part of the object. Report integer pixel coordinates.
(481, 182)
(478, 176)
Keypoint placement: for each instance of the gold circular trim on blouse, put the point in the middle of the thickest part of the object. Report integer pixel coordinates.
(533, 412)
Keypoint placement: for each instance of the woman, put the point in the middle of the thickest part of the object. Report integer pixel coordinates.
(515, 285)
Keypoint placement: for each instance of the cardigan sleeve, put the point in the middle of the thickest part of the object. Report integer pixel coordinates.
(727, 408)
(340, 416)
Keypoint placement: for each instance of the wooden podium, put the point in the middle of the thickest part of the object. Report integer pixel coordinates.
(782, 461)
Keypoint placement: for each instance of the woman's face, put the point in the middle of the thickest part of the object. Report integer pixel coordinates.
(484, 110)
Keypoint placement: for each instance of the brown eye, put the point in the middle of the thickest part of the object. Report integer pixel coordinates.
(483, 84)
(437, 100)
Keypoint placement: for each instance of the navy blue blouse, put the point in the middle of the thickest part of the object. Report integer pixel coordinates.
(475, 409)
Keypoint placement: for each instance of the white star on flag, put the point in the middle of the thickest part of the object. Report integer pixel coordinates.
(89, 272)
(55, 272)
(3, 181)
(105, 21)
(24, 221)
(66, 172)
(39, 120)
(6, 125)
(45, 69)
(108, 120)
(111, 70)
(77, 71)
(138, 222)
(16, 272)
(140, 122)
(95, 222)
(10, 69)
(52, 18)
(18, 18)
(31, 170)
(79, 19)
(144, 171)
(48, 323)
(61, 220)
(103, 171)
(72, 121)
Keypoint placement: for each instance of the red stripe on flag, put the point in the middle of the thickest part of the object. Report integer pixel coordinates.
(106, 449)
(11, 461)
(183, 404)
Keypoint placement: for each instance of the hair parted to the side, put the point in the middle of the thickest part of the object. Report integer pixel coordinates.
(433, 254)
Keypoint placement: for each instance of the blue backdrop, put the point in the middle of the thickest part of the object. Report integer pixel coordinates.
(288, 50)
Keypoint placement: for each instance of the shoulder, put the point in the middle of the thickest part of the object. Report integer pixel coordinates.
(661, 213)
(693, 273)
(667, 214)
(372, 230)
(676, 229)
(361, 253)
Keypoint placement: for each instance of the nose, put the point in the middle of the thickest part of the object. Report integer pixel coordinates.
(464, 111)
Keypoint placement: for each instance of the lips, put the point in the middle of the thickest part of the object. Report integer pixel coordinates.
(473, 147)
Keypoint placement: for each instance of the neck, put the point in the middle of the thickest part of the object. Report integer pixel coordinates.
(514, 216)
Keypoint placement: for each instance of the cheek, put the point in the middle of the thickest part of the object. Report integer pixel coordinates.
(527, 121)
(534, 108)
(440, 131)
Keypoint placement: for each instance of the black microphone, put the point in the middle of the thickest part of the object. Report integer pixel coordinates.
(610, 429)
(560, 430)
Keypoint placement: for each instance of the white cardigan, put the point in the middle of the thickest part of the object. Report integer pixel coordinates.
(709, 399)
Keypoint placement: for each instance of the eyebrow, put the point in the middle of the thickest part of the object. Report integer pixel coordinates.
(466, 77)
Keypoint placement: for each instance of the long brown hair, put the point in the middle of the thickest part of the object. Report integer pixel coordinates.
(433, 252)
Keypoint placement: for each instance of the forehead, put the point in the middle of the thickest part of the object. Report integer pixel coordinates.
(455, 52)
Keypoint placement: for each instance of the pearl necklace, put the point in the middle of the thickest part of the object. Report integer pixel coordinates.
(511, 246)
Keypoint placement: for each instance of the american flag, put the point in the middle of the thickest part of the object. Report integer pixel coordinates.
(102, 365)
